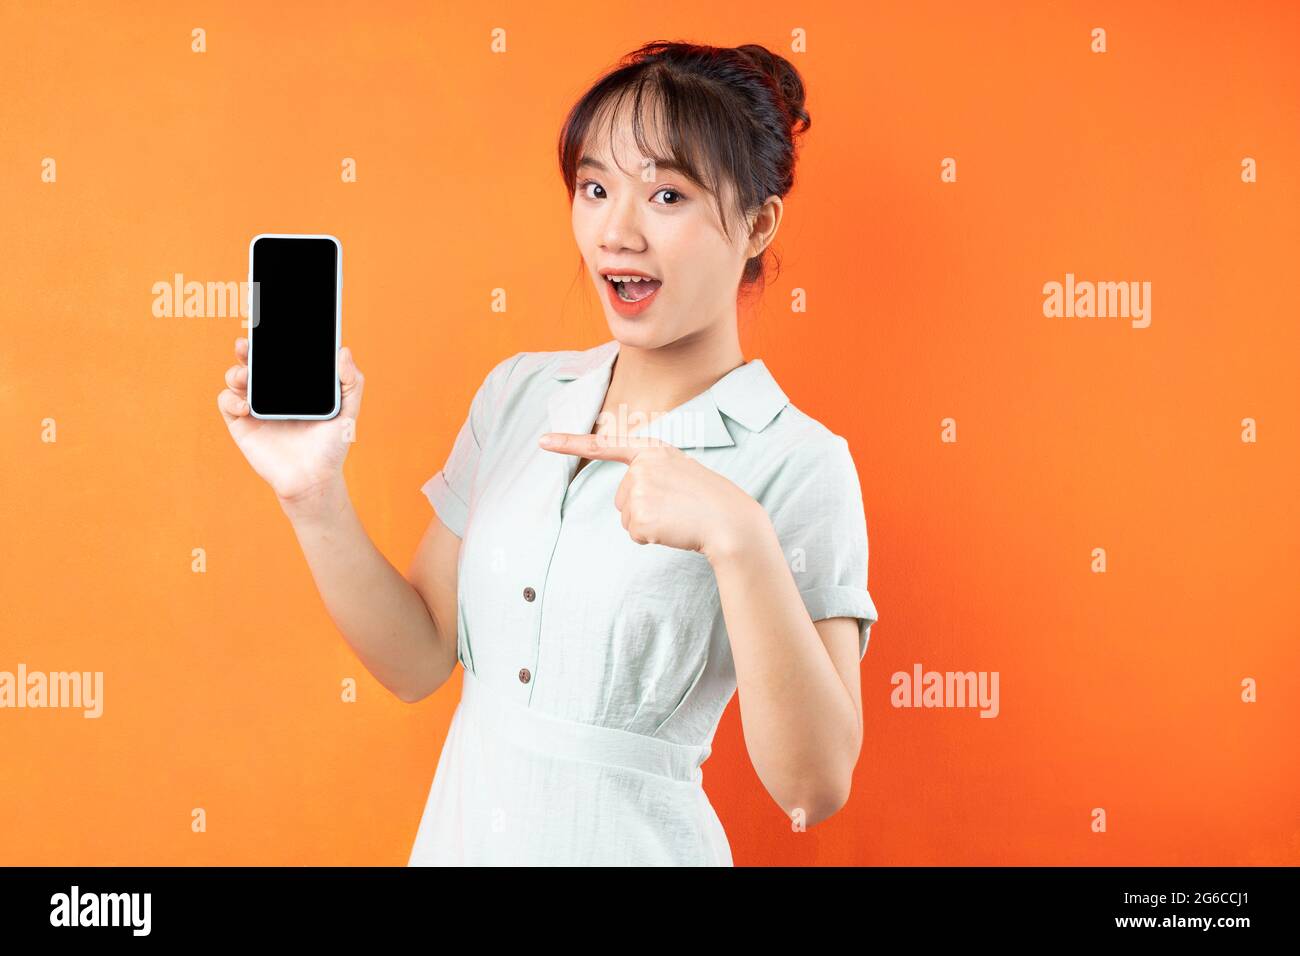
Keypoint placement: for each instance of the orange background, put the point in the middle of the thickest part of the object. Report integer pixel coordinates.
(1118, 690)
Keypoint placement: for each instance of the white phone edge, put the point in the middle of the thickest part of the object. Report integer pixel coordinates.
(338, 323)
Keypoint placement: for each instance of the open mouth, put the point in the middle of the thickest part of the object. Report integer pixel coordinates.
(633, 288)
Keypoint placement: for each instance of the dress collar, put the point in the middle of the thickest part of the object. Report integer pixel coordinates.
(748, 395)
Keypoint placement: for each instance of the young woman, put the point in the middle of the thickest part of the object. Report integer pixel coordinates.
(626, 534)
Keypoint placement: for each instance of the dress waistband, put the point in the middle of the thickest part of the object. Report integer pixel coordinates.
(534, 730)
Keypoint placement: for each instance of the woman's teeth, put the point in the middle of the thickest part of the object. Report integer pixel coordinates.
(634, 288)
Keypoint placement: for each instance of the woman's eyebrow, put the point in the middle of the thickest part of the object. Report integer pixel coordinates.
(660, 164)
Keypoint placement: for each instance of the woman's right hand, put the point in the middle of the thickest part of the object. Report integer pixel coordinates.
(296, 458)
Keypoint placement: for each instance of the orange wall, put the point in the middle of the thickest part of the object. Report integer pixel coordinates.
(1118, 690)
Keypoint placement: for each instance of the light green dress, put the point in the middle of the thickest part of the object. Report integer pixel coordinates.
(596, 669)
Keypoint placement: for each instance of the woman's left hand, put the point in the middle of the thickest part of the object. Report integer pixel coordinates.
(667, 497)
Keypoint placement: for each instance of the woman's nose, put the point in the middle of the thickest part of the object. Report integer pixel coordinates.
(622, 228)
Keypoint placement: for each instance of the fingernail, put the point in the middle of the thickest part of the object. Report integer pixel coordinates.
(548, 439)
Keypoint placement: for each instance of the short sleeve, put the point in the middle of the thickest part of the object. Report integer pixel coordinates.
(820, 521)
(449, 490)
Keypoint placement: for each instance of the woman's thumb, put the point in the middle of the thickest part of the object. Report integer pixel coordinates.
(351, 381)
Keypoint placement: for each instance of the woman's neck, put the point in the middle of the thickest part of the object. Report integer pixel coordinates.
(650, 382)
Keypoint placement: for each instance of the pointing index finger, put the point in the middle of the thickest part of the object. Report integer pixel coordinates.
(597, 446)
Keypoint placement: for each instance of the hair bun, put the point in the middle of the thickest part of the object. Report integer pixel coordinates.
(785, 80)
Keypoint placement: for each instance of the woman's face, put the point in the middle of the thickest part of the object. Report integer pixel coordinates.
(631, 214)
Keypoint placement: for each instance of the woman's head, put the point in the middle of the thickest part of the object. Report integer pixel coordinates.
(676, 163)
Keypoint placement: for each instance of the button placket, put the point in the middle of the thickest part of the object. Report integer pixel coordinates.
(525, 674)
(575, 412)
(570, 482)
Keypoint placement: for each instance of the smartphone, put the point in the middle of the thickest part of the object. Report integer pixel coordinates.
(295, 325)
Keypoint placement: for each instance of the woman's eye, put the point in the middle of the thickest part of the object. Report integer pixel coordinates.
(583, 186)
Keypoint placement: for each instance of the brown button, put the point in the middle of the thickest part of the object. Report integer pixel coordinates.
(529, 594)
(524, 676)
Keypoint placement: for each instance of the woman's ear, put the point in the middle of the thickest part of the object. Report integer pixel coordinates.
(766, 222)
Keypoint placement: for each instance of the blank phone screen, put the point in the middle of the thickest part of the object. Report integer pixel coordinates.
(293, 333)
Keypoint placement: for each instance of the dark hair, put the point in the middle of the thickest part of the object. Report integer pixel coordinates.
(729, 114)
